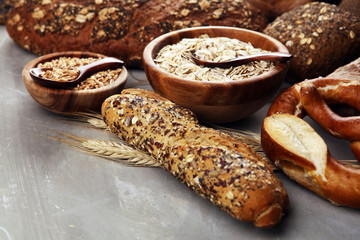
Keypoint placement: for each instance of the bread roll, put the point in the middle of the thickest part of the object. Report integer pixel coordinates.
(303, 155)
(119, 28)
(217, 167)
(295, 147)
(320, 36)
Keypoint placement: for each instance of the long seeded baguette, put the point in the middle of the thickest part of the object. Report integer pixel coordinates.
(217, 167)
(119, 28)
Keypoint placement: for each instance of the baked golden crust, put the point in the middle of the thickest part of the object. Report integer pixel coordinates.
(217, 167)
(119, 28)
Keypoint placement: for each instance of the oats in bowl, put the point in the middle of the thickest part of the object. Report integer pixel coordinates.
(176, 59)
(222, 100)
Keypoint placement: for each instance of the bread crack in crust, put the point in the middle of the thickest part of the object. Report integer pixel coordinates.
(214, 165)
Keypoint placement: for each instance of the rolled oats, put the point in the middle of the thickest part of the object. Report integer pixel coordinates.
(176, 59)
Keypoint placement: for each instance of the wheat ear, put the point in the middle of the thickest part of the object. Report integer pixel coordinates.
(113, 150)
(135, 158)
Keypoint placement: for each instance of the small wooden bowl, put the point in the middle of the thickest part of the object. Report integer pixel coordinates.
(213, 101)
(68, 101)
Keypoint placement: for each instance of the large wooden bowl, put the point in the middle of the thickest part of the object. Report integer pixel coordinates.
(212, 101)
(67, 101)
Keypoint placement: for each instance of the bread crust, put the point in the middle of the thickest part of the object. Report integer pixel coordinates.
(300, 152)
(320, 36)
(119, 28)
(277, 7)
(5, 6)
(214, 165)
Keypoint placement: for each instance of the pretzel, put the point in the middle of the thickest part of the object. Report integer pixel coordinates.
(295, 147)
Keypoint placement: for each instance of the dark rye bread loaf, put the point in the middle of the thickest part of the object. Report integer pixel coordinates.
(119, 28)
(320, 36)
(227, 172)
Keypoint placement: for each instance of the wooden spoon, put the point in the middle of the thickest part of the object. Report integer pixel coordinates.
(271, 56)
(84, 72)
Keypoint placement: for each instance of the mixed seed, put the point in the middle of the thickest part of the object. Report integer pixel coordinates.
(66, 69)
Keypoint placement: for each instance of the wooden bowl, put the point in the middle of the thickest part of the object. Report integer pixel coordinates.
(67, 101)
(213, 101)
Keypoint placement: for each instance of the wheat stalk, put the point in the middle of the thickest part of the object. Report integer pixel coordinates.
(247, 137)
(117, 151)
(120, 151)
(93, 119)
(250, 138)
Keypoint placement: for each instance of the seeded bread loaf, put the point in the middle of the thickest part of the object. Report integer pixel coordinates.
(277, 7)
(320, 36)
(351, 6)
(5, 6)
(119, 28)
(217, 167)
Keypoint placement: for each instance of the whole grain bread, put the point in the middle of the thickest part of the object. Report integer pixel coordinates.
(320, 36)
(352, 6)
(119, 28)
(5, 6)
(275, 8)
(227, 172)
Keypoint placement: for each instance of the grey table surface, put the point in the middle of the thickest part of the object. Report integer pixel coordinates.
(49, 190)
